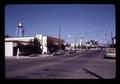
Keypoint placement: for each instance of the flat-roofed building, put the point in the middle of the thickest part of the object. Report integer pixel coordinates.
(11, 44)
(47, 44)
(50, 44)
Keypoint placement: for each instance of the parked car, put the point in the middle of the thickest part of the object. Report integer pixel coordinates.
(110, 53)
(58, 53)
(72, 51)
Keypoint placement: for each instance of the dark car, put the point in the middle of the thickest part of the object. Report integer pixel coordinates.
(72, 52)
(58, 53)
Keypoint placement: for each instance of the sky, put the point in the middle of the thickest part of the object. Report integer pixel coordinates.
(89, 21)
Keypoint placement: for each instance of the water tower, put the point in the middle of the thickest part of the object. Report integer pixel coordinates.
(20, 30)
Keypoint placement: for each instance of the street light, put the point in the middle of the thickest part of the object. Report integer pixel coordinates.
(69, 35)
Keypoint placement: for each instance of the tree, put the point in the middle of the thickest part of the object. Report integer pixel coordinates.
(67, 45)
(93, 42)
(83, 46)
(75, 46)
(7, 36)
(34, 46)
(78, 45)
(37, 45)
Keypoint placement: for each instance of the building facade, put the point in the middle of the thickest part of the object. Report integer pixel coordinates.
(12, 43)
(46, 44)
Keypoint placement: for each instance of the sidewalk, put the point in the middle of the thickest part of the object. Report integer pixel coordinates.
(37, 55)
(15, 57)
(30, 56)
(45, 55)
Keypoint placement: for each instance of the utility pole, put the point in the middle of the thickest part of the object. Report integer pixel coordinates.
(59, 38)
(69, 42)
(111, 36)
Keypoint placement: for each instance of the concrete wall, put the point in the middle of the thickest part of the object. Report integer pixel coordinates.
(8, 48)
(43, 41)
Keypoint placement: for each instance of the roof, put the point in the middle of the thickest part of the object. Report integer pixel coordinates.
(20, 39)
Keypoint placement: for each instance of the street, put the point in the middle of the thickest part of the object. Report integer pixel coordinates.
(87, 65)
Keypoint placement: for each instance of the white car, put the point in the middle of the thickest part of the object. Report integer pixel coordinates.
(110, 53)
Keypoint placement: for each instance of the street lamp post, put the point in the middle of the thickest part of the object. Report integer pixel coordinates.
(18, 53)
(81, 43)
(75, 41)
(68, 42)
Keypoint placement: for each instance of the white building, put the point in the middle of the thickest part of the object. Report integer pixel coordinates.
(11, 43)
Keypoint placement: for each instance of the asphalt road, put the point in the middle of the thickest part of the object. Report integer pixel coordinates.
(86, 65)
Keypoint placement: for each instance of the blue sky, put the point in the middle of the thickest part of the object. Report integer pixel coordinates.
(90, 21)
